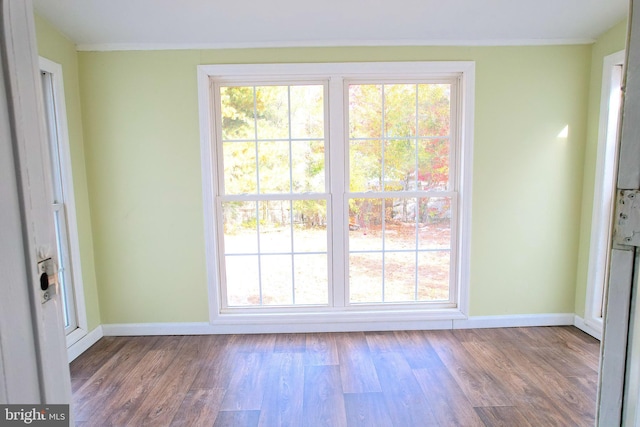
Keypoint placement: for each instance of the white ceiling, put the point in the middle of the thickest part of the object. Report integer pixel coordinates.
(161, 24)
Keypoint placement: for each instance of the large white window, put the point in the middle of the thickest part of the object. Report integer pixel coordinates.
(341, 189)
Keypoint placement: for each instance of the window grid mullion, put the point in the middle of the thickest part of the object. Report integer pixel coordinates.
(417, 205)
(259, 252)
(382, 186)
(337, 116)
(273, 140)
(293, 264)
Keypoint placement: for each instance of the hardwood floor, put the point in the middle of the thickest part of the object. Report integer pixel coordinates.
(484, 377)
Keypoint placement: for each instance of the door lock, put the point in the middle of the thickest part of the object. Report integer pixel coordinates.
(47, 270)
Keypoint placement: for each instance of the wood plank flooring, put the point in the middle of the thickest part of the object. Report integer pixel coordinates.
(483, 377)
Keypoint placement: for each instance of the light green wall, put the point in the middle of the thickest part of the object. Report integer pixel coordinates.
(143, 164)
(56, 47)
(610, 42)
(143, 161)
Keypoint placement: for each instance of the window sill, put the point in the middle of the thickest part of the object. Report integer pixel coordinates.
(336, 321)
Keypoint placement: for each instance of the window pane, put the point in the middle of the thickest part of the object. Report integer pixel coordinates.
(240, 228)
(400, 165)
(310, 226)
(272, 112)
(365, 111)
(365, 278)
(433, 164)
(433, 275)
(276, 280)
(400, 224)
(275, 226)
(400, 110)
(237, 111)
(240, 167)
(399, 276)
(311, 283)
(365, 224)
(276, 252)
(434, 109)
(243, 286)
(62, 268)
(308, 166)
(435, 223)
(365, 165)
(307, 111)
(273, 158)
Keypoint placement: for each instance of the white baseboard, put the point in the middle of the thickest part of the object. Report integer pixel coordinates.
(136, 329)
(204, 328)
(515, 321)
(275, 328)
(83, 344)
(580, 323)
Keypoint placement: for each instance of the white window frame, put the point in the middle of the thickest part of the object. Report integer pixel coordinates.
(69, 210)
(603, 199)
(341, 316)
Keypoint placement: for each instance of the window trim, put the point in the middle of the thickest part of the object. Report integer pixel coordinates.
(345, 316)
(66, 174)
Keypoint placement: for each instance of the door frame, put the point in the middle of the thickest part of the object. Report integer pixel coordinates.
(43, 340)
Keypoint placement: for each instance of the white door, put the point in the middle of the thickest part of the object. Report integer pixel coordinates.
(620, 363)
(32, 186)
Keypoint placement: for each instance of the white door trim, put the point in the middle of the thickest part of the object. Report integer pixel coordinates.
(30, 148)
(19, 379)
